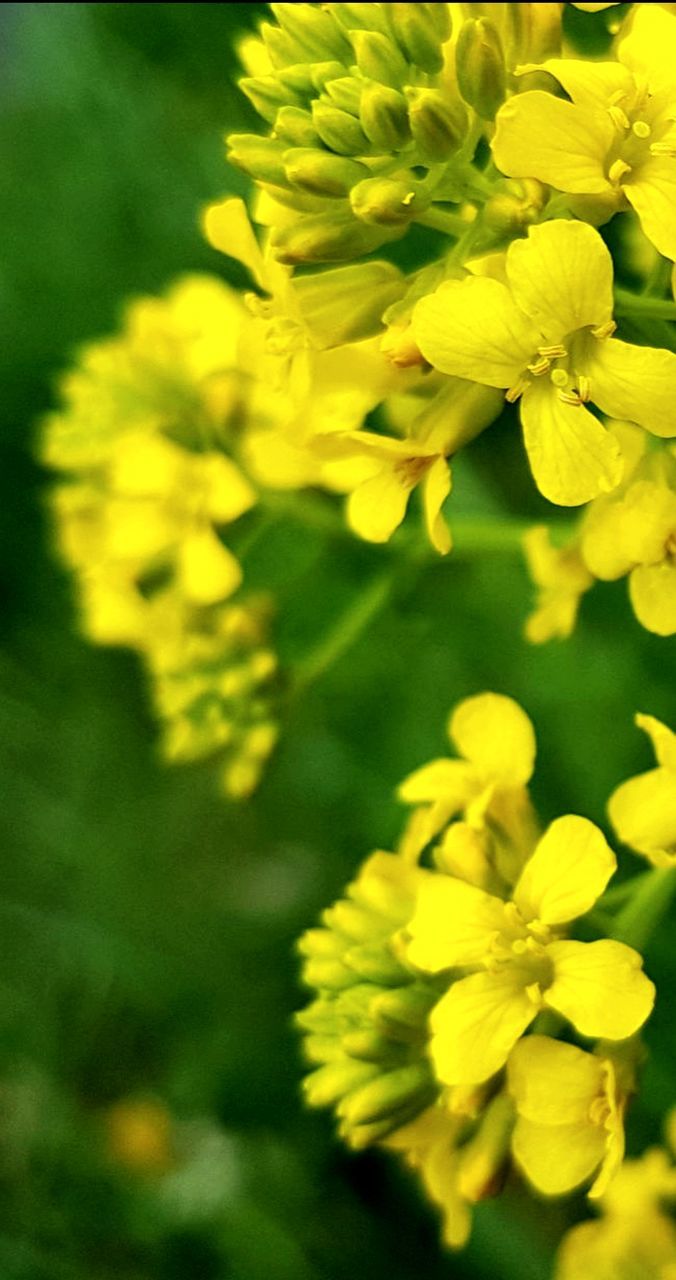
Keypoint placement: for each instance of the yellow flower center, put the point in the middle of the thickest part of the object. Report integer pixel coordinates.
(644, 128)
(411, 470)
(522, 946)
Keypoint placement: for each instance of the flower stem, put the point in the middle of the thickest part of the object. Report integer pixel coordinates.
(346, 631)
(638, 920)
(630, 304)
(441, 220)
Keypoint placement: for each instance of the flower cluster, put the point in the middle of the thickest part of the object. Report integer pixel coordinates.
(440, 960)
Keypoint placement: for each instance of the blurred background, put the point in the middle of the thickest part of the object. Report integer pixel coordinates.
(150, 1122)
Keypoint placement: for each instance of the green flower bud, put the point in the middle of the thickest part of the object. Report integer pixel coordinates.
(480, 66)
(361, 17)
(282, 51)
(294, 125)
(378, 58)
(267, 95)
(438, 123)
(339, 131)
(379, 1097)
(370, 1046)
(324, 71)
(386, 202)
(417, 35)
(261, 158)
(298, 78)
(325, 237)
(343, 305)
(376, 963)
(345, 93)
(321, 173)
(407, 1006)
(313, 30)
(383, 114)
(326, 1086)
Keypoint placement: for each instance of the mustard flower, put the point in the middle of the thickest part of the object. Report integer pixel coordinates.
(570, 1109)
(496, 743)
(643, 809)
(521, 964)
(616, 139)
(561, 577)
(543, 334)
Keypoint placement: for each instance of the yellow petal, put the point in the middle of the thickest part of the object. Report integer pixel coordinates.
(614, 1136)
(378, 506)
(568, 871)
(603, 548)
(229, 494)
(145, 465)
(450, 780)
(572, 456)
(137, 530)
(557, 1158)
(600, 987)
(637, 383)
(473, 329)
(649, 47)
(562, 277)
(496, 736)
(652, 192)
(476, 1024)
(553, 1083)
(591, 85)
(227, 227)
(207, 570)
(643, 813)
(652, 591)
(436, 488)
(453, 924)
(540, 136)
(662, 738)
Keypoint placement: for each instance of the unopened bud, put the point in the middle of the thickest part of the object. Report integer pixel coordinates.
(378, 58)
(297, 77)
(509, 212)
(322, 72)
(339, 130)
(386, 202)
(383, 114)
(324, 237)
(361, 17)
(294, 125)
(261, 158)
(313, 30)
(267, 95)
(321, 173)
(282, 51)
(532, 32)
(407, 1007)
(340, 306)
(483, 1159)
(480, 66)
(324, 971)
(401, 348)
(345, 93)
(369, 1045)
(438, 123)
(417, 34)
(330, 1083)
(375, 963)
(387, 1093)
(318, 1049)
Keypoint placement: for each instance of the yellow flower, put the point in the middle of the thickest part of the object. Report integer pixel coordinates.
(617, 137)
(521, 964)
(562, 579)
(634, 532)
(643, 809)
(543, 334)
(496, 742)
(570, 1115)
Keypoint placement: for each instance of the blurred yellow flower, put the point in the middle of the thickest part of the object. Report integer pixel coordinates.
(562, 578)
(643, 809)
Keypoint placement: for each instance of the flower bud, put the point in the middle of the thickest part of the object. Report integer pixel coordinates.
(298, 78)
(339, 131)
(261, 158)
(345, 93)
(417, 34)
(267, 95)
(361, 17)
(314, 31)
(483, 1160)
(321, 72)
(386, 202)
(327, 1086)
(378, 58)
(438, 124)
(383, 114)
(388, 1093)
(480, 65)
(532, 32)
(340, 306)
(510, 211)
(325, 237)
(321, 173)
(294, 125)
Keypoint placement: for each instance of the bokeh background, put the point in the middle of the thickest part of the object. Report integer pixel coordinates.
(150, 1122)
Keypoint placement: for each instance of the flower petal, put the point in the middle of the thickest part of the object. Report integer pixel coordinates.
(572, 456)
(553, 1083)
(228, 228)
(652, 193)
(558, 1158)
(591, 85)
(451, 780)
(600, 987)
(476, 1024)
(378, 506)
(643, 813)
(649, 48)
(436, 488)
(562, 277)
(568, 871)
(454, 923)
(652, 591)
(208, 571)
(540, 136)
(473, 329)
(638, 383)
(662, 737)
(496, 736)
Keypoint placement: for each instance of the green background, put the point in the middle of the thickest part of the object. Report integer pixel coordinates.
(146, 926)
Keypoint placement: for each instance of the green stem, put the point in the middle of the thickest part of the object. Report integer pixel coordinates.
(630, 304)
(346, 631)
(658, 278)
(439, 220)
(620, 892)
(637, 922)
